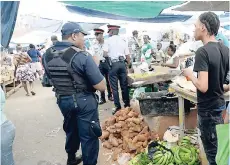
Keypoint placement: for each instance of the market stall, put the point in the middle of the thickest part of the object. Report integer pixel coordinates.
(8, 82)
(188, 94)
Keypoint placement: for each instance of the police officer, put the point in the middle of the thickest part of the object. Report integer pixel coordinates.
(103, 62)
(76, 77)
(117, 49)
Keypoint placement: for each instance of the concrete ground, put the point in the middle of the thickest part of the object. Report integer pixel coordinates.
(39, 137)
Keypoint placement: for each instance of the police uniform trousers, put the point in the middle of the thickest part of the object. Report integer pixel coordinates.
(118, 72)
(104, 69)
(79, 111)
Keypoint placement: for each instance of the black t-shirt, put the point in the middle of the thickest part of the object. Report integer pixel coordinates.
(213, 58)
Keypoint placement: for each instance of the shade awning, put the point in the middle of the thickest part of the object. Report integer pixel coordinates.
(204, 6)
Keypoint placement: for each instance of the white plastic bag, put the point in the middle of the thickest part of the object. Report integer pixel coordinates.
(124, 159)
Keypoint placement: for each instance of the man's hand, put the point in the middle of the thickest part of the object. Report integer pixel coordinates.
(188, 73)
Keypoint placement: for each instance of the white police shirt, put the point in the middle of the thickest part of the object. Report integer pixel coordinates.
(116, 46)
(97, 50)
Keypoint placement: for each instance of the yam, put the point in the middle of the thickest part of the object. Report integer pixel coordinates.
(133, 134)
(137, 128)
(118, 125)
(111, 129)
(145, 144)
(110, 121)
(139, 144)
(131, 146)
(103, 126)
(113, 140)
(132, 124)
(136, 120)
(139, 138)
(122, 123)
(107, 145)
(105, 135)
(145, 130)
(133, 114)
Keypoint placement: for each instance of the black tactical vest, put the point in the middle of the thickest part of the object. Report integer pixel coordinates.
(58, 67)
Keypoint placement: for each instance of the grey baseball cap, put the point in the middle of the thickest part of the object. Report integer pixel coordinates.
(71, 27)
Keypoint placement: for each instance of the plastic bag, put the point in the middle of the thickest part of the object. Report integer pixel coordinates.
(138, 91)
(124, 159)
(223, 155)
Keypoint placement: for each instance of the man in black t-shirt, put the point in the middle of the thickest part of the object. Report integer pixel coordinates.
(212, 66)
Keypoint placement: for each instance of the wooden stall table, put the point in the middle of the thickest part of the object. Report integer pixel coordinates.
(188, 95)
(160, 74)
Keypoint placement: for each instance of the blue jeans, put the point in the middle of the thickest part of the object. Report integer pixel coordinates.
(7, 138)
(78, 114)
(207, 122)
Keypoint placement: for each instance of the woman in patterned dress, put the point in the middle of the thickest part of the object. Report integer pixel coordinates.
(23, 71)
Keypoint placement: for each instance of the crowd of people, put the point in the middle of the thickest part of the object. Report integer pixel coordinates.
(76, 75)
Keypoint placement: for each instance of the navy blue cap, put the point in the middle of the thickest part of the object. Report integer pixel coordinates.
(71, 27)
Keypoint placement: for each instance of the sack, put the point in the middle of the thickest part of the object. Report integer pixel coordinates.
(222, 157)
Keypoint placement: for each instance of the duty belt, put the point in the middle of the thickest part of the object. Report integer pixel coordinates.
(115, 60)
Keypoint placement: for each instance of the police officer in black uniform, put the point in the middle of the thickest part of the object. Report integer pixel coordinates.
(103, 62)
(116, 48)
(76, 77)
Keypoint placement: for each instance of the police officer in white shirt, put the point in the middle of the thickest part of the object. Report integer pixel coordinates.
(117, 50)
(103, 62)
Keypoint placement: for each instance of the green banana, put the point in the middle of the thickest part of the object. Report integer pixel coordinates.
(186, 138)
(185, 150)
(165, 159)
(176, 157)
(160, 161)
(157, 156)
(192, 161)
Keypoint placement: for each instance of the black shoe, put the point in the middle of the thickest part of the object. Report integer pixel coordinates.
(102, 102)
(117, 109)
(77, 160)
(110, 98)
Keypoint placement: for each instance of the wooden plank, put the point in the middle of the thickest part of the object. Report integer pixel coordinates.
(13, 90)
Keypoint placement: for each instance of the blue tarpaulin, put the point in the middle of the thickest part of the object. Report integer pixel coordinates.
(161, 18)
(9, 11)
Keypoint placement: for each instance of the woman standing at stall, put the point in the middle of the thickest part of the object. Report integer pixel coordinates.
(23, 71)
(174, 61)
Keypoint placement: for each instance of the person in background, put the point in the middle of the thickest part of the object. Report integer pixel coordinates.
(117, 49)
(7, 135)
(174, 61)
(23, 71)
(75, 78)
(35, 64)
(147, 49)
(103, 62)
(134, 47)
(160, 56)
(212, 66)
(54, 39)
(227, 115)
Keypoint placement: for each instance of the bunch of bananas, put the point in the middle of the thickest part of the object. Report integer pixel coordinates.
(185, 153)
(163, 158)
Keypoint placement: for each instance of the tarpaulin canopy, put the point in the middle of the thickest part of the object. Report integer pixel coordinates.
(128, 11)
(205, 6)
(9, 10)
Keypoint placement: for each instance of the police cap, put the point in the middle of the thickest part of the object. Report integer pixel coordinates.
(72, 27)
(98, 31)
(112, 27)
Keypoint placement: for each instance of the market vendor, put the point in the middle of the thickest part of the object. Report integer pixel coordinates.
(147, 49)
(173, 62)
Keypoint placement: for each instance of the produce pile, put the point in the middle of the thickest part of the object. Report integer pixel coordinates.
(157, 153)
(126, 132)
